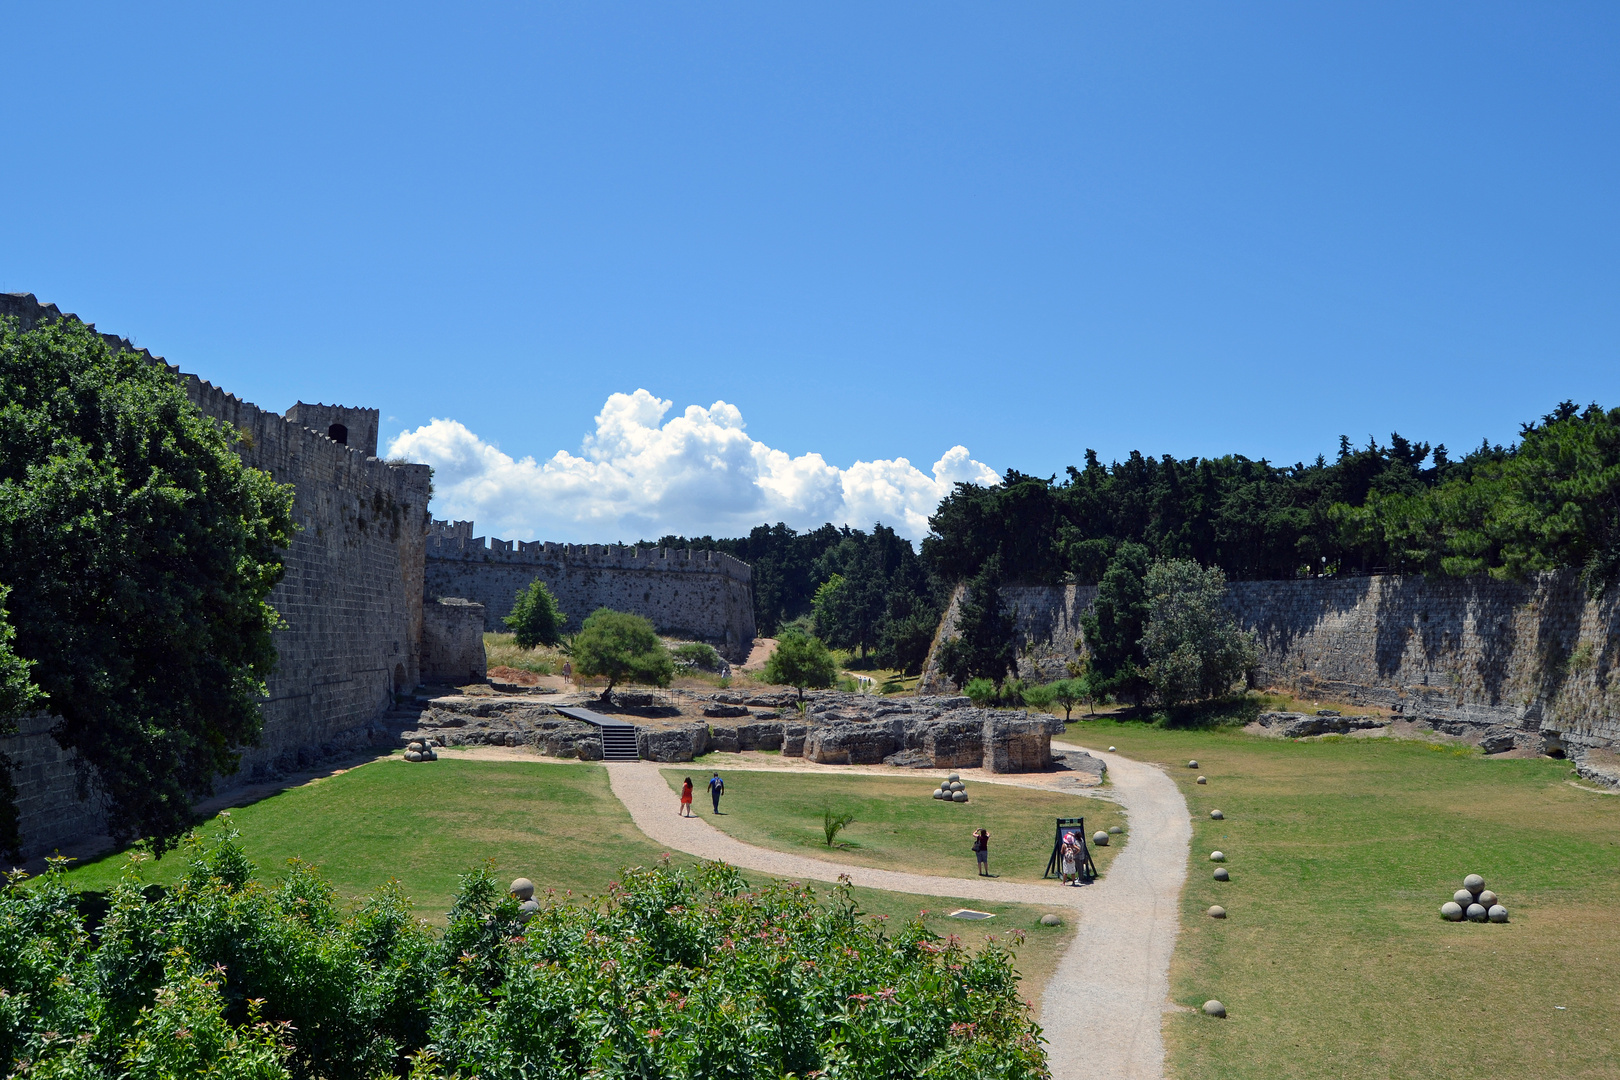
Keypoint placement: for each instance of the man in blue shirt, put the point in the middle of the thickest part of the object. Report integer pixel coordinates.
(717, 787)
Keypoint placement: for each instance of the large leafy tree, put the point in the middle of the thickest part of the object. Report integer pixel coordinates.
(800, 660)
(620, 647)
(1113, 628)
(536, 619)
(140, 552)
(1193, 645)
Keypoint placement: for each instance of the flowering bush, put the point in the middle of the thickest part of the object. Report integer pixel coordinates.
(688, 974)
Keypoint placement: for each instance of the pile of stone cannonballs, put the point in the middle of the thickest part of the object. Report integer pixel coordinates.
(422, 750)
(951, 790)
(1474, 902)
(523, 891)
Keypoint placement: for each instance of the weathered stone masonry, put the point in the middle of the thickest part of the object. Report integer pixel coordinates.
(351, 597)
(703, 595)
(1536, 658)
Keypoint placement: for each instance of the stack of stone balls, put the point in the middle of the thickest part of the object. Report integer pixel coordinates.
(951, 790)
(523, 891)
(422, 750)
(1473, 902)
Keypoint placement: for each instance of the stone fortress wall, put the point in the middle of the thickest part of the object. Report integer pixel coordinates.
(1535, 658)
(703, 595)
(351, 597)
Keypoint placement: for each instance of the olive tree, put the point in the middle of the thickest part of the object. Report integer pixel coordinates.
(621, 647)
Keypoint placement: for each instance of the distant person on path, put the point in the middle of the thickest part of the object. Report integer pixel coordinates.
(1069, 864)
(686, 798)
(717, 788)
(568, 672)
(981, 851)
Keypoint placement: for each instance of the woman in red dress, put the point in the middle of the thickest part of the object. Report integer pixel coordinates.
(686, 798)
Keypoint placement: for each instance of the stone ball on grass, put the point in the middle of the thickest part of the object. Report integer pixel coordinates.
(1217, 912)
(1214, 1008)
(1498, 913)
(1192, 764)
(1477, 913)
(958, 796)
(1216, 815)
(1203, 779)
(1222, 874)
(528, 909)
(522, 888)
(1217, 856)
(1451, 911)
(1473, 883)
(1115, 830)
(1099, 838)
(957, 785)
(413, 755)
(414, 744)
(1050, 920)
(1488, 898)
(1110, 749)
(938, 794)
(1463, 897)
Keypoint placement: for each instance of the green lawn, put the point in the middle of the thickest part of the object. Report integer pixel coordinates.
(898, 826)
(559, 825)
(1333, 961)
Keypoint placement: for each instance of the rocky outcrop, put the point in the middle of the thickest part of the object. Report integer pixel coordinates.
(1016, 744)
(1290, 725)
(681, 743)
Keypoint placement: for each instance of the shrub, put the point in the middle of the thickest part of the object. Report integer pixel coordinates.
(621, 647)
(982, 692)
(800, 661)
(671, 974)
(1040, 698)
(834, 823)
(535, 618)
(1194, 647)
(695, 654)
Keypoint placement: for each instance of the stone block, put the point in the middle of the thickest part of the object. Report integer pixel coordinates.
(846, 743)
(673, 744)
(766, 735)
(1017, 744)
(724, 740)
(793, 737)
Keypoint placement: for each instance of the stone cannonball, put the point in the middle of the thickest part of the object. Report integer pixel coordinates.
(953, 778)
(957, 785)
(1216, 815)
(1498, 913)
(1115, 830)
(939, 793)
(958, 796)
(414, 744)
(1217, 856)
(528, 909)
(1217, 912)
(1099, 838)
(1477, 913)
(1193, 764)
(1222, 874)
(1488, 898)
(1473, 883)
(522, 888)
(1451, 911)
(1203, 779)
(430, 754)
(1110, 749)
(1214, 1008)
(1463, 897)
(1050, 920)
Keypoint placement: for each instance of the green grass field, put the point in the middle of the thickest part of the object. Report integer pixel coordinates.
(1333, 961)
(898, 825)
(559, 825)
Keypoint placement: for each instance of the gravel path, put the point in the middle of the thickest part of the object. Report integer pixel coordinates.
(1103, 1006)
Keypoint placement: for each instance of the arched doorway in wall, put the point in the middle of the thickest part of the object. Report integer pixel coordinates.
(339, 434)
(399, 679)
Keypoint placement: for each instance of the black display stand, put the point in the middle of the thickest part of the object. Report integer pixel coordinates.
(1087, 868)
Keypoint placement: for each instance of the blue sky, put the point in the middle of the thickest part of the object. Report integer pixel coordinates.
(874, 232)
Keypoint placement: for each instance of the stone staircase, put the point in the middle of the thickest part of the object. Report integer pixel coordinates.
(619, 743)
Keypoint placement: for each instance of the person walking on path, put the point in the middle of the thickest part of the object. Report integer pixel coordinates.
(981, 851)
(717, 788)
(686, 798)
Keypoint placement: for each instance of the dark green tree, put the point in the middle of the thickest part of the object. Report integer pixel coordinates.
(1113, 628)
(17, 696)
(622, 648)
(140, 552)
(1194, 648)
(536, 619)
(800, 661)
(985, 628)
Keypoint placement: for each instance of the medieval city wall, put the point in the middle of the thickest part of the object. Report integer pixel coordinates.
(702, 595)
(351, 597)
(1534, 656)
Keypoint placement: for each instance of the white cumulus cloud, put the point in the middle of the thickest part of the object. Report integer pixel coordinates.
(639, 476)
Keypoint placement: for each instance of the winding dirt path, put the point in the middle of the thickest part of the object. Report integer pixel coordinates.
(1103, 1006)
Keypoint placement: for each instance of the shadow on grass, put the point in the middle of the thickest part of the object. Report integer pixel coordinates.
(1214, 715)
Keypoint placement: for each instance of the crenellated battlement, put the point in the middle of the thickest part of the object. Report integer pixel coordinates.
(454, 540)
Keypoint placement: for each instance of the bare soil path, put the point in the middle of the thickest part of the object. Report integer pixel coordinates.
(1103, 1008)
